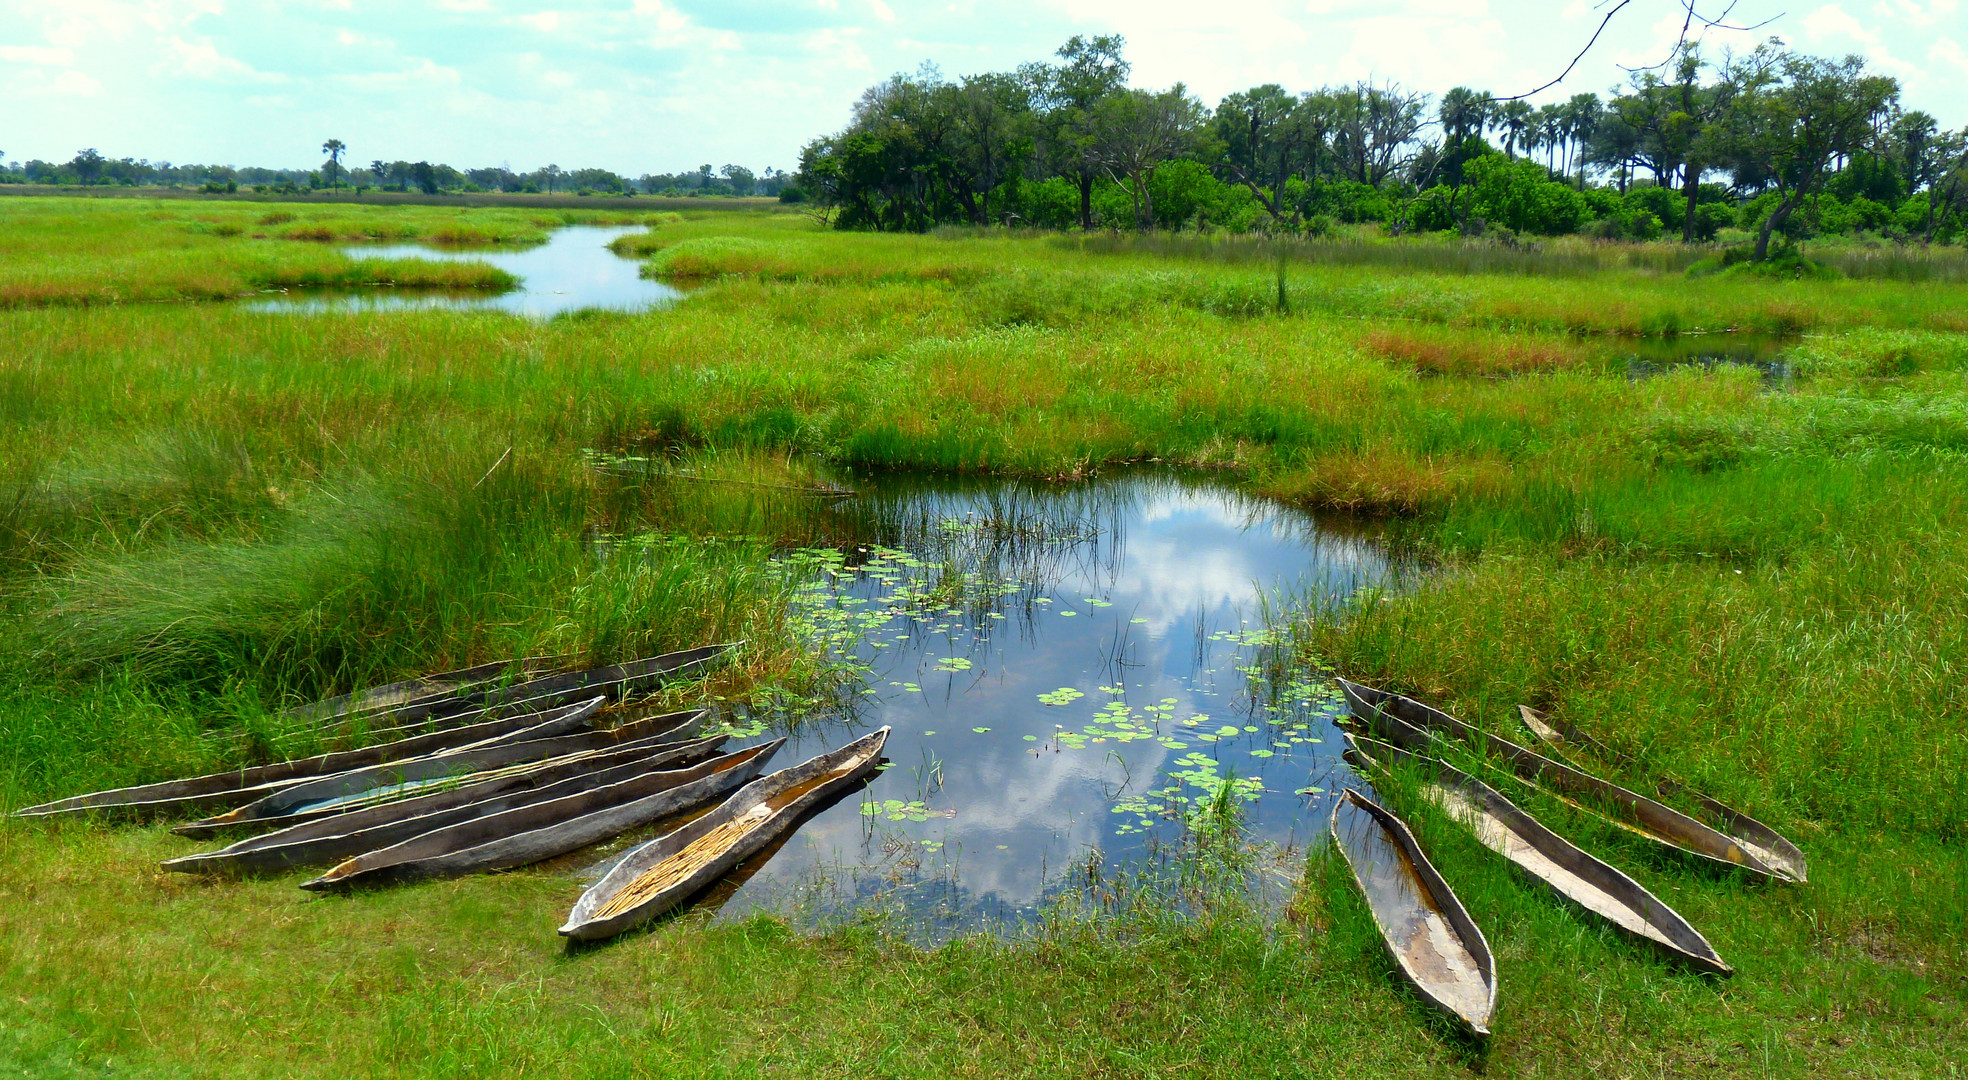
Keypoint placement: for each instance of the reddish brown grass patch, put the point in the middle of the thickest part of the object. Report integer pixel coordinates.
(1469, 354)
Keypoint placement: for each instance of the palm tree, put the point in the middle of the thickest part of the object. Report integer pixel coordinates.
(1550, 131)
(334, 148)
(1515, 119)
(1464, 112)
(1581, 117)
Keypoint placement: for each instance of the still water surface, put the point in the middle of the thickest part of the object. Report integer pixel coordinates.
(572, 271)
(1066, 668)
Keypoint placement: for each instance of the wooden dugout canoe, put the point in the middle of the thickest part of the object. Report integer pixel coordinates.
(413, 698)
(232, 788)
(326, 841)
(1652, 820)
(664, 872)
(530, 834)
(352, 790)
(1437, 946)
(614, 682)
(1568, 870)
(455, 719)
(1768, 845)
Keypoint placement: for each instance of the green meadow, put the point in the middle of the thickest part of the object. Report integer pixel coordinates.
(1754, 577)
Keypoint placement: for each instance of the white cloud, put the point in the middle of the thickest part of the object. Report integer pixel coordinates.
(203, 60)
(1831, 22)
(42, 55)
(659, 83)
(1914, 13)
(76, 83)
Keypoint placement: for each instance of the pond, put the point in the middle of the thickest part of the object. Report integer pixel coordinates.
(1067, 669)
(1762, 353)
(572, 271)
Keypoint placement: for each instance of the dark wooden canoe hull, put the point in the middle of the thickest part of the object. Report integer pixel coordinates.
(328, 841)
(413, 698)
(551, 770)
(449, 720)
(1768, 845)
(830, 773)
(1438, 948)
(542, 831)
(1653, 820)
(314, 798)
(230, 789)
(1592, 884)
(616, 682)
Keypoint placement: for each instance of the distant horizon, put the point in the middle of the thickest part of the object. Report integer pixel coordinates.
(654, 87)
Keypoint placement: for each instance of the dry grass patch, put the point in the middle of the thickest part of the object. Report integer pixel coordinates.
(1464, 353)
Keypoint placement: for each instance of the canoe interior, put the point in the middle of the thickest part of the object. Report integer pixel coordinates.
(1598, 887)
(336, 793)
(1397, 717)
(1769, 846)
(746, 822)
(330, 840)
(544, 830)
(401, 698)
(1437, 946)
(430, 720)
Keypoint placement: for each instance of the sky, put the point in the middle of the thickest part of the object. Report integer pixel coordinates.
(667, 85)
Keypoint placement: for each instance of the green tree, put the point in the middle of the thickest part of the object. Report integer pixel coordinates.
(1264, 137)
(741, 179)
(1069, 94)
(1792, 116)
(1139, 130)
(1521, 195)
(1374, 129)
(1463, 113)
(88, 165)
(991, 135)
(1582, 114)
(1515, 120)
(334, 148)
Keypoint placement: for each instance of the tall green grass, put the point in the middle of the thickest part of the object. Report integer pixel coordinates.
(207, 513)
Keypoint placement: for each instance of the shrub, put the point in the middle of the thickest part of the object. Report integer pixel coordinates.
(1521, 195)
(1432, 210)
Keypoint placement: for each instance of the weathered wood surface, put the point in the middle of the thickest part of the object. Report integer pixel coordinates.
(411, 698)
(238, 786)
(347, 791)
(1437, 946)
(767, 806)
(329, 840)
(412, 729)
(1650, 819)
(1594, 885)
(614, 682)
(1769, 846)
(530, 834)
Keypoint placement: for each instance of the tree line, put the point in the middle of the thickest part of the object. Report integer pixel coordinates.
(1779, 143)
(91, 168)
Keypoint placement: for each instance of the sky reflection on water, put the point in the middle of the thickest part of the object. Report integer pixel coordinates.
(572, 271)
(1131, 604)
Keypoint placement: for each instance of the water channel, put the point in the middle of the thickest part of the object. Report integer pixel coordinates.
(573, 271)
(1066, 668)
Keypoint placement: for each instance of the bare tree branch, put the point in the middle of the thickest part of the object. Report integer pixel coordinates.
(1694, 16)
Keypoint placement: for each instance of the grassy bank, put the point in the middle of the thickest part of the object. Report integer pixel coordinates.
(113, 251)
(206, 512)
